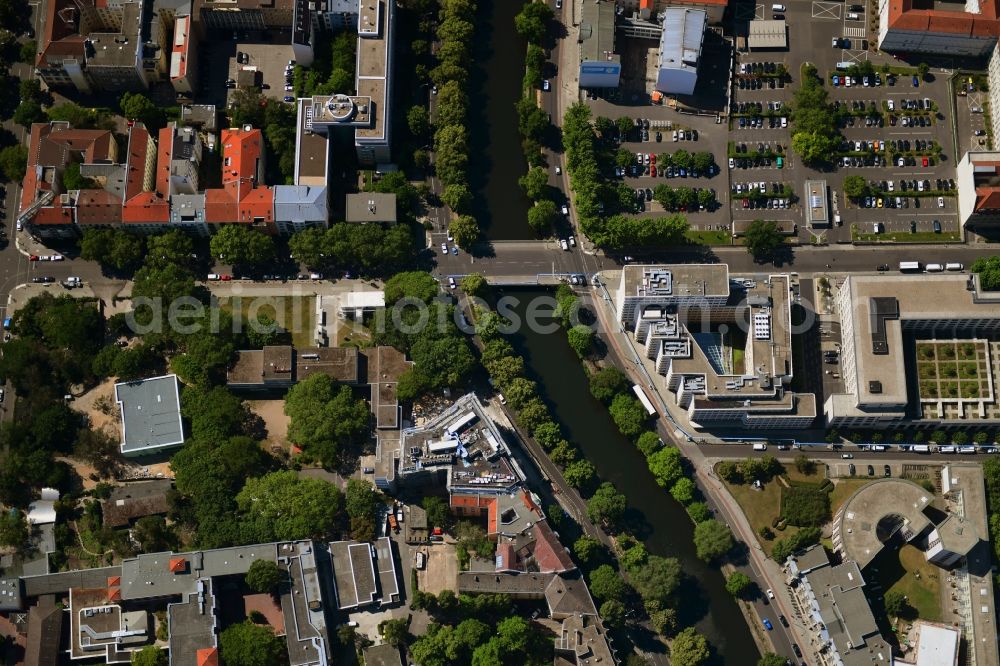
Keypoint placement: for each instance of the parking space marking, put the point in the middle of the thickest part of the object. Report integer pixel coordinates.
(853, 31)
(854, 56)
(826, 10)
(758, 12)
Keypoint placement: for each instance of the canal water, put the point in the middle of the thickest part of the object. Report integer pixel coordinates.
(664, 526)
(495, 159)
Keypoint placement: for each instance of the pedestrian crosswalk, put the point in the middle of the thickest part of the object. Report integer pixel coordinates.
(850, 31)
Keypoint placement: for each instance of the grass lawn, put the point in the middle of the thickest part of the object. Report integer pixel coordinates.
(844, 488)
(797, 478)
(907, 237)
(761, 507)
(918, 580)
(713, 237)
(297, 314)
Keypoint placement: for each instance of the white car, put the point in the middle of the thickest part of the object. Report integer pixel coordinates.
(940, 202)
(564, 244)
(770, 593)
(20, 226)
(444, 248)
(732, 163)
(762, 186)
(558, 170)
(315, 276)
(546, 86)
(451, 282)
(214, 276)
(674, 136)
(56, 257)
(565, 210)
(572, 242)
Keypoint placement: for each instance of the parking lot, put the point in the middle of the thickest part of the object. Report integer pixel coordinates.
(268, 51)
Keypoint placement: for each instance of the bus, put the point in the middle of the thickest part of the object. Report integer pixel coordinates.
(644, 399)
(909, 266)
(920, 448)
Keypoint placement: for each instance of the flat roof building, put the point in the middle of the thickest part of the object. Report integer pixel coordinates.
(151, 415)
(600, 66)
(767, 35)
(833, 599)
(879, 315)
(931, 644)
(371, 207)
(915, 26)
(817, 203)
(690, 317)
(680, 50)
(977, 179)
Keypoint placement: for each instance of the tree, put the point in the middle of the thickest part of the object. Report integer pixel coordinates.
(150, 656)
(805, 506)
(699, 512)
(689, 648)
(13, 529)
(394, 632)
(613, 613)
(241, 246)
(248, 644)
(665, 464)
(702, 161)
(606, 583)
(280, 506)
(783, 548)
(589, 550)
(13, 162)
(762, 239)
(154, 535)
(658, 579)
(628, 414)
(27, 112)
(739, 585)
(418, 120)
(531, 21)
(457, 196)
(648, 443)
(264, 576)
(580, 474)
(608, 382)
(542, 216)
(771, 659)
(923, 69)
(581, 339)
(438, 513)
(712, 540)
(362, 503)
(535, 183)
(420, 285)
(813, 147)
(805, 465)
(136, 106)
(325, 419)
(607, 505)
(855, 186)
(474, 284)
(683, 490)
(465, 231)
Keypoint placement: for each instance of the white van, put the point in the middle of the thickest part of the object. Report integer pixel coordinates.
(934, 268)
(760, 447)
(953, 267)
(777, 8)
(852, 16)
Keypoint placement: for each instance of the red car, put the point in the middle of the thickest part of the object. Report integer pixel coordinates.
(652, 158)
(227, 278)
(652, 171)
(924, 161)
(746, 203)
(33, 257)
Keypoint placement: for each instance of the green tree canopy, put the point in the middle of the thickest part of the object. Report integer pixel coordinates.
(280, 506)
(136, 106)
(150, 655)
(13, 529)
(607, 505)
(242, 246)
(739, 585)
(712, 540)
(689, 648)
(628, 414)
(608, 382)
(325, 419)
(13, 162)
(465, 231)
(411, 284)
(249, 644)
(264, 576)
(771, 659)
(531, 22)
(658, 579)
(763, 238)
(666, 466)
(606, 583)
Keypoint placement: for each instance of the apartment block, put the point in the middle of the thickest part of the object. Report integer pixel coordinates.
(977, 177)
(157, 186)
(721, 343)
(243, 15)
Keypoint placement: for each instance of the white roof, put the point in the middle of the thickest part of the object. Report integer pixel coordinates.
(680, 43)
(364, 299)
(937, 646)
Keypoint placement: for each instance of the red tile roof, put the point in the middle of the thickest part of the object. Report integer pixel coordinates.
(97, 207)
(987, 198)
(208, 657)
(164, 151)
(114, 594)
(55, 147)
(240, 199)
(178, 564)
(902, 16)
(114, 581)
(506, 559)
(61, 37)
(549, 553)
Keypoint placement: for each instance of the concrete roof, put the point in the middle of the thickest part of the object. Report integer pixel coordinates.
(192, 625)
(382, 655)
(597, 31)
(857, 520)
(684, 280)
(353, 573)
(680, 42)
(767, 34)
(151, 414)
(937, 644)
(371, 207)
